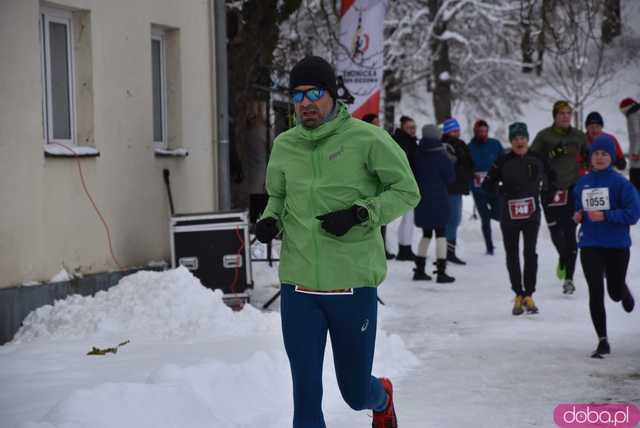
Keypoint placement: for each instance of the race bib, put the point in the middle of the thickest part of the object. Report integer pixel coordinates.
(521, 209)
(596, 199)
(560, 198)
(478, 178)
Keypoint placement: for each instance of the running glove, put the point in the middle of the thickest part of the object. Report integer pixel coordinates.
(266, 230)
(340, 222)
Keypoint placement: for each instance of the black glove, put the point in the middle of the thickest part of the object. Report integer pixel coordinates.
(339, 222)
(266, 230)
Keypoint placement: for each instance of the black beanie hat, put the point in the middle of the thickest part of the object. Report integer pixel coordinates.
(313, 70)
(594, 118)
(518, 129)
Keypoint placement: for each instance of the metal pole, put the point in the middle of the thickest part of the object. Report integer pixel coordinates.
(222, 102)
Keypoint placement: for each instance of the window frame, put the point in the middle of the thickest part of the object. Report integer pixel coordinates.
(160, 36)
(59, 16)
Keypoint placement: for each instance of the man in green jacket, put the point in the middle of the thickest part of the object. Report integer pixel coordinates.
(333, 181)
(563, 146)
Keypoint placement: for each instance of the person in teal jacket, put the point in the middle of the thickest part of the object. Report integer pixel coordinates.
(332, 181)
(606, 205)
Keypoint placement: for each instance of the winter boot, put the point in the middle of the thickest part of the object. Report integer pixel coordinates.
(602, 349)
(627, 301)
(530, 305)
(387, 418)
(418, 272)
(405, 254)
(442, 277)
(517, 306)
(568, 287)
(451, 254)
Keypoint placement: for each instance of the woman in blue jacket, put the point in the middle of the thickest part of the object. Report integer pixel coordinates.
(433, 171)
(607, 204)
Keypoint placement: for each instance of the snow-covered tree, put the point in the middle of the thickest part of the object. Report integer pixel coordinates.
(466, 50)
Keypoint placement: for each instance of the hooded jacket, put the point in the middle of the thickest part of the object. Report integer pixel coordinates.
(518, 178)
(433, 171)
(311, 172)
(562, 148)
(624, 209)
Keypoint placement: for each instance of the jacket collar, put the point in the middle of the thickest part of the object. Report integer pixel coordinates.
(340, 115)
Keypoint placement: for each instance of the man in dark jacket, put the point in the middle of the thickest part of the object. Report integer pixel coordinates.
(484, 152)
(405, 136)
(373, 119)
(562, 145)
(520, 176)
(463, 167)
(433, 171)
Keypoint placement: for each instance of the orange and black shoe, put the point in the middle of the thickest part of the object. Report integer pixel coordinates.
(386, 418)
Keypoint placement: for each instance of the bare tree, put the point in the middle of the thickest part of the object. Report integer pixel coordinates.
(577, 63)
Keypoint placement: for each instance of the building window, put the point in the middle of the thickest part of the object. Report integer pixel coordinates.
(159, 85)
(57, 75)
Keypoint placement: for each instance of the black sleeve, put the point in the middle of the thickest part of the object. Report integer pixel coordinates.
(549, 178)
(492, 181)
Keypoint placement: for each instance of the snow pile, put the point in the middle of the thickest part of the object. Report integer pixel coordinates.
(145, 305)
(211, 394)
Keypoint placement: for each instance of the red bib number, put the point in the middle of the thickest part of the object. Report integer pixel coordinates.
(521, 209)
(560, 198)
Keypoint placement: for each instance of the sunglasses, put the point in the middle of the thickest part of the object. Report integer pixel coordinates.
(312, 94)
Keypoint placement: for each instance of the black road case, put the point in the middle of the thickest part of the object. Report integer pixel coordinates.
(215, 248)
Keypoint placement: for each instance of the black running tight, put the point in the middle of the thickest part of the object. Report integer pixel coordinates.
(598, 264)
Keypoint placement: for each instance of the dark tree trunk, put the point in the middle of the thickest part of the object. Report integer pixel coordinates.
(526, 43)
(441, 67)
(392, 95)
(611, 23)
(548, 7)
(527, 50)
(253, 35)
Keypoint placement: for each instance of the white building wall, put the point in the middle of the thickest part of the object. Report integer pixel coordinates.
(46, 219)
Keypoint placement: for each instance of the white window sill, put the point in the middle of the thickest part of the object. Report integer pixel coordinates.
(170, 153)
(57, 151)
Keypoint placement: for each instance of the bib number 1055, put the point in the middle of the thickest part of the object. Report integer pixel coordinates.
(596, 199)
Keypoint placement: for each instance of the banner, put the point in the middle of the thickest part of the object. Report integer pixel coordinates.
(360, 59)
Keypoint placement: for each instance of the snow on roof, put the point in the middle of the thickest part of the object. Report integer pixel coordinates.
(145, 305)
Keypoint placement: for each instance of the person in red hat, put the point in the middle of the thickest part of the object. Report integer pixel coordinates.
(631, 109)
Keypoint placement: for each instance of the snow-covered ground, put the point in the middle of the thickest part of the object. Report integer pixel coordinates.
(457, 356)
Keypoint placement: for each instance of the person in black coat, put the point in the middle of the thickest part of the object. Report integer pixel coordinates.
(373, 119)
(521, 177)
(463, 167)
(433, 171)
(405, 136)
